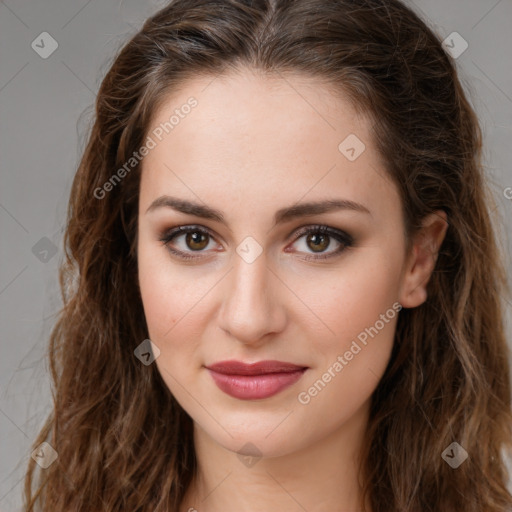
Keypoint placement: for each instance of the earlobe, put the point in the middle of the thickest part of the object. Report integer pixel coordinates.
(422, 259)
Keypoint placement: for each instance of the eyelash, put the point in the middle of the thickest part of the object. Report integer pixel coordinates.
(341, 237)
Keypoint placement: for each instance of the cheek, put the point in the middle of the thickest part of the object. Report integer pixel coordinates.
(353, 360)
(174, 302)
(170, 296)
(352, 297)
(161, 306)
(359, 306)
(175, 313)
(171, 321)
(364, 295)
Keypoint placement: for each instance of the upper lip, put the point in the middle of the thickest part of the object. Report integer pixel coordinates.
(259, 368)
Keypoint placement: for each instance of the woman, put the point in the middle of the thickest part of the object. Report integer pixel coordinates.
(282, 289)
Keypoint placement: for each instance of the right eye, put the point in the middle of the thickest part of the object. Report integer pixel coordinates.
(196, 239)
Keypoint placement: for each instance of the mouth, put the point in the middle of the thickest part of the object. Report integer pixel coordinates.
(254, 381)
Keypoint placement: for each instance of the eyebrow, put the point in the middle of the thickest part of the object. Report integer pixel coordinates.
(281, 216)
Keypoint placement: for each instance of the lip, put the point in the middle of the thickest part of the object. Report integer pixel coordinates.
(254, 381)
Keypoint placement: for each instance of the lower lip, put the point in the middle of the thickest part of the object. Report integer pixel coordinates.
(255, 387)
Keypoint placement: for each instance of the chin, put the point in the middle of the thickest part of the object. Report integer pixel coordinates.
(257, 441)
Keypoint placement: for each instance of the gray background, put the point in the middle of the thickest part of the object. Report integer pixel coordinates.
(45, 108)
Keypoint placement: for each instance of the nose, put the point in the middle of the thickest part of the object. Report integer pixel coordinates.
(252, 309)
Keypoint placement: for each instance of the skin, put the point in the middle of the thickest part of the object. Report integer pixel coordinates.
(252, 146)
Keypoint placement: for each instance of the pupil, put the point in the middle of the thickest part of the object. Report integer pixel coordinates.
(196, 238)
(317, 241)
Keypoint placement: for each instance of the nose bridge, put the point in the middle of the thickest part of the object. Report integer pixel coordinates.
(250, 309)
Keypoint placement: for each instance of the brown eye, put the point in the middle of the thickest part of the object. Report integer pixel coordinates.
(318, 242)
(318, 239)
(196, 240)
(186, 239)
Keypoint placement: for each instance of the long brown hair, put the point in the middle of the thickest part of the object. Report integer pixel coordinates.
(123, 442)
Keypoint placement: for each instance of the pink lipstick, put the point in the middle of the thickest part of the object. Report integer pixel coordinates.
(254, 381)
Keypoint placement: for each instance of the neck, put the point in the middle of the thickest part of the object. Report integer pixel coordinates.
(320, 477)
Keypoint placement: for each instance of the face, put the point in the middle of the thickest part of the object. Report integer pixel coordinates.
(233, 268)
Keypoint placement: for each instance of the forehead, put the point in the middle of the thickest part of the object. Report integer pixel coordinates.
(256, 138)
(252, 107)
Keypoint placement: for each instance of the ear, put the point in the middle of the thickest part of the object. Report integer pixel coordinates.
(422, 259)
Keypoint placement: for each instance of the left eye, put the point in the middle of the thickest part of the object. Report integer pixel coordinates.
(316, 238)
